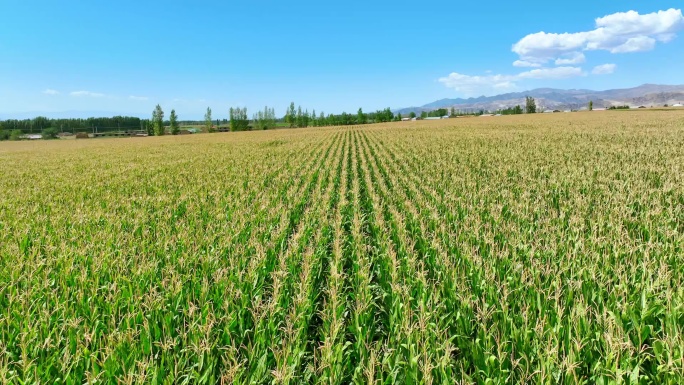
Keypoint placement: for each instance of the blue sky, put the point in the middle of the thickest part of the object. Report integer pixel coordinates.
(124, 57)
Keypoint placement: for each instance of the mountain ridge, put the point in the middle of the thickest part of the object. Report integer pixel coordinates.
(645, 94)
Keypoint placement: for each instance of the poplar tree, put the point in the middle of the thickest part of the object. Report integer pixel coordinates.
(173, 119)
(290, 115)
(149, 125)
(360, 117)
(208, 124)
(158, 119)
(238, 119)
(299, 119)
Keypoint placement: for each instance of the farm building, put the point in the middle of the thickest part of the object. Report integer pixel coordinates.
(678, 105)
(405, 119)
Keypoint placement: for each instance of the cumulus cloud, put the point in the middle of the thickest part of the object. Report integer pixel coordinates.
(139, 98)
(571, 59)
(86, 94)
(469, 85)
(525, 63)
(635, 44)
(620, 32)
(551, 73)
(604, 69)
(50, 91)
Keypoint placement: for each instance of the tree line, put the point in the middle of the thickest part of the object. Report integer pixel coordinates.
(295, 117)
(238, 120)
(37, 124)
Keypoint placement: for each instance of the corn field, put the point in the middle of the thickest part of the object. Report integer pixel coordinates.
(541, 249)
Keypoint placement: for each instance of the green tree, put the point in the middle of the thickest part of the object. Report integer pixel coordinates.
(264, 120)
(15, 135)
(591, 105)
(49, 133)
(530, 105)
(158, 120)
(173, 123)
(412, 115)
(208, 124)
(291, 116)
(438, 113)
(149, 126)
(238, 119)
(423, 114)
(360, 117)
(299, 118)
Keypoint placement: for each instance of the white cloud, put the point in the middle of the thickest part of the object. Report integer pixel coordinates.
(471, 85)
(50, 91)
(87, 93)
(635, 44)
(524, 63)
(617, 33)
(552, 73)
(139, 98)
(604, 69)
(571, 59)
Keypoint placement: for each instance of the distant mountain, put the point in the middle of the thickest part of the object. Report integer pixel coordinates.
(551, 98)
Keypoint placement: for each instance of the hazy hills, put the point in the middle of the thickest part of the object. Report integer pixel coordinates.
(551, 98)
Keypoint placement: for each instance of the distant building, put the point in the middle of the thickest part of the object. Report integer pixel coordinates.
(678, 105)
(433, 118)
(405, 119)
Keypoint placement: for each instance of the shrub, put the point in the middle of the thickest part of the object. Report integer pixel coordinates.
(15, 135)
(4, 135)
(50, 133)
